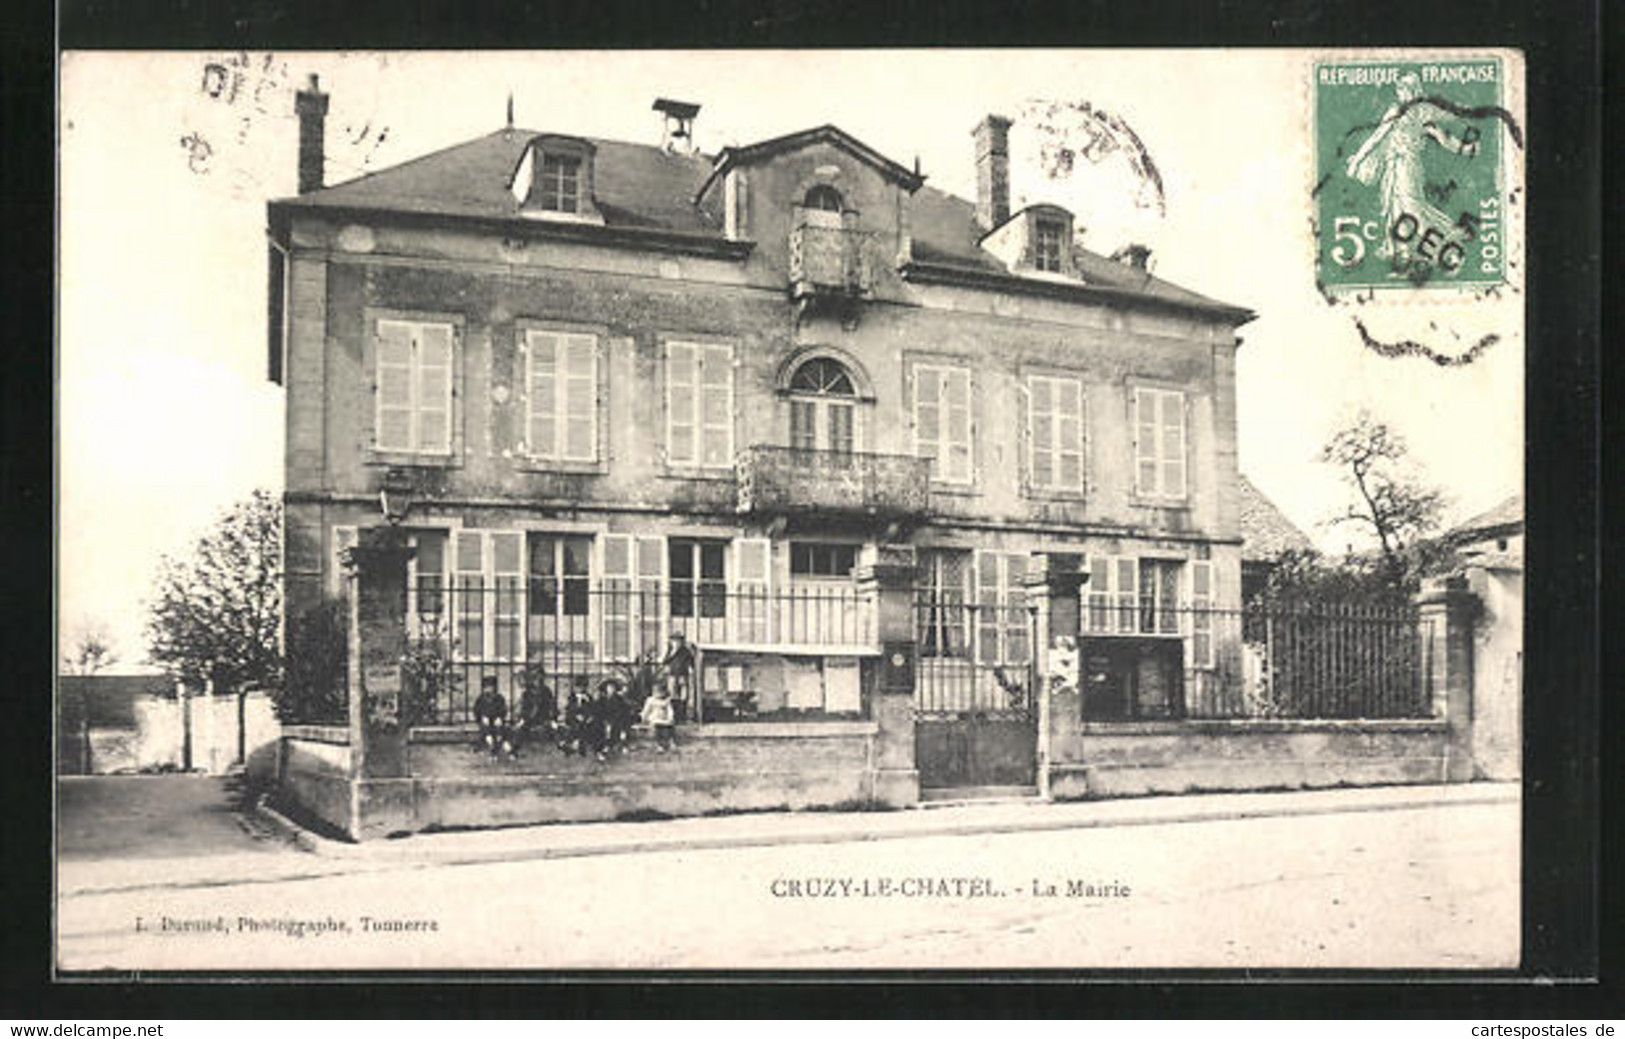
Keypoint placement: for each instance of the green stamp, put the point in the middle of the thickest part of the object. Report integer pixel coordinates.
(1409, 186)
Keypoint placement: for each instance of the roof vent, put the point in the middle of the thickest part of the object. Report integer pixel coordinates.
(677, 129)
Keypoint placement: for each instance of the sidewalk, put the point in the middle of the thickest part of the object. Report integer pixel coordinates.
(775, 828)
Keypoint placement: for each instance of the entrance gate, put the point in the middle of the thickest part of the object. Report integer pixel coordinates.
(975, 715)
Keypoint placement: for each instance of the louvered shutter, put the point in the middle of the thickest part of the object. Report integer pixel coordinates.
(682, 377)
(1041, 395)
(434, 377)
(393, 390)
(716, 405)
(956, 411)
(751, 589)
(1173, 444)
(928, 418)
(580, 398)
(1069, 435)
(1145, 441)
(542, 391)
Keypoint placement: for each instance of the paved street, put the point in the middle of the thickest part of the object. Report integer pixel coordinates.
(1432, 886)
(148, 817)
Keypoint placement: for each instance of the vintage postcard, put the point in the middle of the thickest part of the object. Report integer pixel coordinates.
(784, 510)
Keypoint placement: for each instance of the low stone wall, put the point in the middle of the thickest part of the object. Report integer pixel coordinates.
(1127, 758)
(453, 782)
(313, 774)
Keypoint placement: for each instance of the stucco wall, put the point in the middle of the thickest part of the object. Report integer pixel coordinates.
(1498, 673)
(313, 775)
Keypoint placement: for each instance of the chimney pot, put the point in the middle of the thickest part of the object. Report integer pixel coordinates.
(310, 104)
(992, 139)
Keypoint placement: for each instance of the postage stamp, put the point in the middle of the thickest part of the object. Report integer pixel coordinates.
(1410, 192)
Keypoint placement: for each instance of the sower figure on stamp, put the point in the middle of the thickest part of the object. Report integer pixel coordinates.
(1392, 160)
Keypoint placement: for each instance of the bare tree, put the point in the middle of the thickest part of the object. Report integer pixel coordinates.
(215, 613)
(90, 650)
(1390, 503)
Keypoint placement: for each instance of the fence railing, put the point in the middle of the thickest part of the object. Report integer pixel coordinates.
(548, 638)
(1145, 659)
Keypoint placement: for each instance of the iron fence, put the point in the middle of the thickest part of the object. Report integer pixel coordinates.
(974, 658)
(536, 642)
(1148, 659)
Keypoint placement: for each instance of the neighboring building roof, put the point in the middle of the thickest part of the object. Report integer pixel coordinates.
(109, 699)
(1505, 518)
(1265, 530)
(645, 188)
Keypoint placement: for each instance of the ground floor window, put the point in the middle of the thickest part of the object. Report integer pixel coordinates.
(810, 559)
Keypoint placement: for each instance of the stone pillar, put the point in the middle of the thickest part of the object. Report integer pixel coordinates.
(1053, 596)
(375, 574)
(1447, 611)
(886, 580)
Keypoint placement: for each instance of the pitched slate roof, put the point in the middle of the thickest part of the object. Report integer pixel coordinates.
(644, 187)
(1506, 516)
(1265, 530)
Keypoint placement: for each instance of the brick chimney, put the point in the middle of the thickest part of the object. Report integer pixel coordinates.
(311, 106)
(992, 137)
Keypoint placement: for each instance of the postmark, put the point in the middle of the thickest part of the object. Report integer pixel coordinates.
(1410, 193)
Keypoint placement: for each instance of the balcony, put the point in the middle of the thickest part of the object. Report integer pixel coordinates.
(829, 269)
(789, 480)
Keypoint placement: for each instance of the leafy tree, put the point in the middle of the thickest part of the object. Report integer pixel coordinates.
(1390, 502)
(90, 652)
(317, 666)
(214, 613)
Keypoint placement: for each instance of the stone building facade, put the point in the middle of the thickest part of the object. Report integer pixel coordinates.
(649, 390)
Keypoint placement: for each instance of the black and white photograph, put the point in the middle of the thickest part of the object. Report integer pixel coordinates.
(781, 510)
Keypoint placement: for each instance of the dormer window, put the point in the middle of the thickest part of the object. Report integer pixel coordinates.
(559, 188)
(554, 179)
(1047, 241)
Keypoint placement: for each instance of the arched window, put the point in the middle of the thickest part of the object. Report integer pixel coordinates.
(821, 206)
(824, 197)
(822, 407)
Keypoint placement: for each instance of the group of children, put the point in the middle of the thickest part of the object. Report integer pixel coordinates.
(590, 722)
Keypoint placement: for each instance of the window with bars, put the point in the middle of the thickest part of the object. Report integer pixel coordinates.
(942, 421)
(943, 578)
(1001, 614)
(1057, 437)
(699, 405)
(1159, 442)
(561, 396)
(415, 364)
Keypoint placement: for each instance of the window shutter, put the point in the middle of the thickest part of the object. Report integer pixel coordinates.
(1100, 594)
(541, 390)
(392, 429)
(433, 403)
(616, 565)
(716, 405)
(928, 418)
(1069, 424)
(1041, 429)
(1127, 584)
(650, 603)
(681, 420)
(752, 576)
(987, 606)
(508, 582)
(581, 398)
(1201, 615)
(956, 408)
(1145, 441)
(1173, 444)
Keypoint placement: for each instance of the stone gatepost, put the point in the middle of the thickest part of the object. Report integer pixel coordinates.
(885, 579)
(380, 776)
(1447, 611)
(1053, 597)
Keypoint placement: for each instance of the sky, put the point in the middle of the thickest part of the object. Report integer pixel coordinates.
(166, 417)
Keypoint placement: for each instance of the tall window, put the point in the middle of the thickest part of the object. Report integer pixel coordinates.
(822, 206)
(561, 387)
(697, 576)
(414, 378)
(1159, 596)
(942, 421)
(699, 405)
(560, 187)
(1047, 245)
(1056, 433)
(823, 407)
(488, 594)
(1159, 443)
(944, 583)
(559, 603)
(1001, 614)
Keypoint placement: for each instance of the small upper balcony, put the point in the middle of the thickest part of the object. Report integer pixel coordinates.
(832, 484)
(829, 266)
